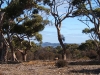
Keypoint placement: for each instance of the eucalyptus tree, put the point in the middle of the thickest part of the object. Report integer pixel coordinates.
(88, 45)
(23, 46)
(21, 18)
(90, 32)
(3, 43)
(57, 8)
(88, 12)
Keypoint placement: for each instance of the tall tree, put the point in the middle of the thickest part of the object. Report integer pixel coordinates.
(59, 17)
(89, 11)
(21, 19)
(3, 43)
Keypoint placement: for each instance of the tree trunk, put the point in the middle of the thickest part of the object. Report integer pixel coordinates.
(13, 55)
(5, 57)
(2, 43)
(64, 54)
(4, 51)
(3, 48)
(25, 57)
(97, 44)
(24, 54)
(62, 44)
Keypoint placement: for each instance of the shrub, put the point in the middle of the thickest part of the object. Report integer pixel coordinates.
(61, 63)
(92, 54)
(44, 55)
(85, 58)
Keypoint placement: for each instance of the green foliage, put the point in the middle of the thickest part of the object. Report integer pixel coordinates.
(46, 1)
(22, 18)
(90, 10)
(61, 63)
(86, 30)
(38, 37)
(16, 42)
(81, 11)
(18, 29)
(97, 12)
(76, 54)
(89, 31)
(85, 58)
(92, 54)
(88, 45)
(15, 8)
(77, 2)
(45, 9)
(33, 26)
(43, 55)
(72, 46)
(59, 48)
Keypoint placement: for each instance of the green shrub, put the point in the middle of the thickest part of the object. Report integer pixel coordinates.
(61, 63)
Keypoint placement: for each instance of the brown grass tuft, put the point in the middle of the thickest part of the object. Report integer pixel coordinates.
(44, 63)
(1, 73)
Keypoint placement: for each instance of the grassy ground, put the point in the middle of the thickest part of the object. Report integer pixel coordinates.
(49, 68)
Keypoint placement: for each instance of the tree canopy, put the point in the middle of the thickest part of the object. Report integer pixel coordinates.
(22, 19)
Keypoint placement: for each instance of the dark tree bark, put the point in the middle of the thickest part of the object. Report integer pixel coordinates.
(3, 49)
(62, 44)
(3, 45)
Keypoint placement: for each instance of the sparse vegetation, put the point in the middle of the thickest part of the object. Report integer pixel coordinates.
(21, 23)
(1, 73)
(47, 68)
(61, 63)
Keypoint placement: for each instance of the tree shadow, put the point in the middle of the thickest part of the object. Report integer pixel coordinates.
(93, 62)
(10, 62)
(87, 71)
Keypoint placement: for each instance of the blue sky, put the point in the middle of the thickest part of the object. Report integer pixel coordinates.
(71, 29)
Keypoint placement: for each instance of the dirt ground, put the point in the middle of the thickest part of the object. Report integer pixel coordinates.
(47, 68)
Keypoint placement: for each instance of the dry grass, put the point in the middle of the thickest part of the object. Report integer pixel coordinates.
(38, 62)
(1, 73)
(47, 68)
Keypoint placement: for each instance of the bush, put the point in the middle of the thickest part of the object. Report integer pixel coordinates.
(85, 58)
(61, 63)
(92, 54)
(43, 55)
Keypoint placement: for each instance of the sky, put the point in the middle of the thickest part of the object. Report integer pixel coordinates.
(71, 29)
